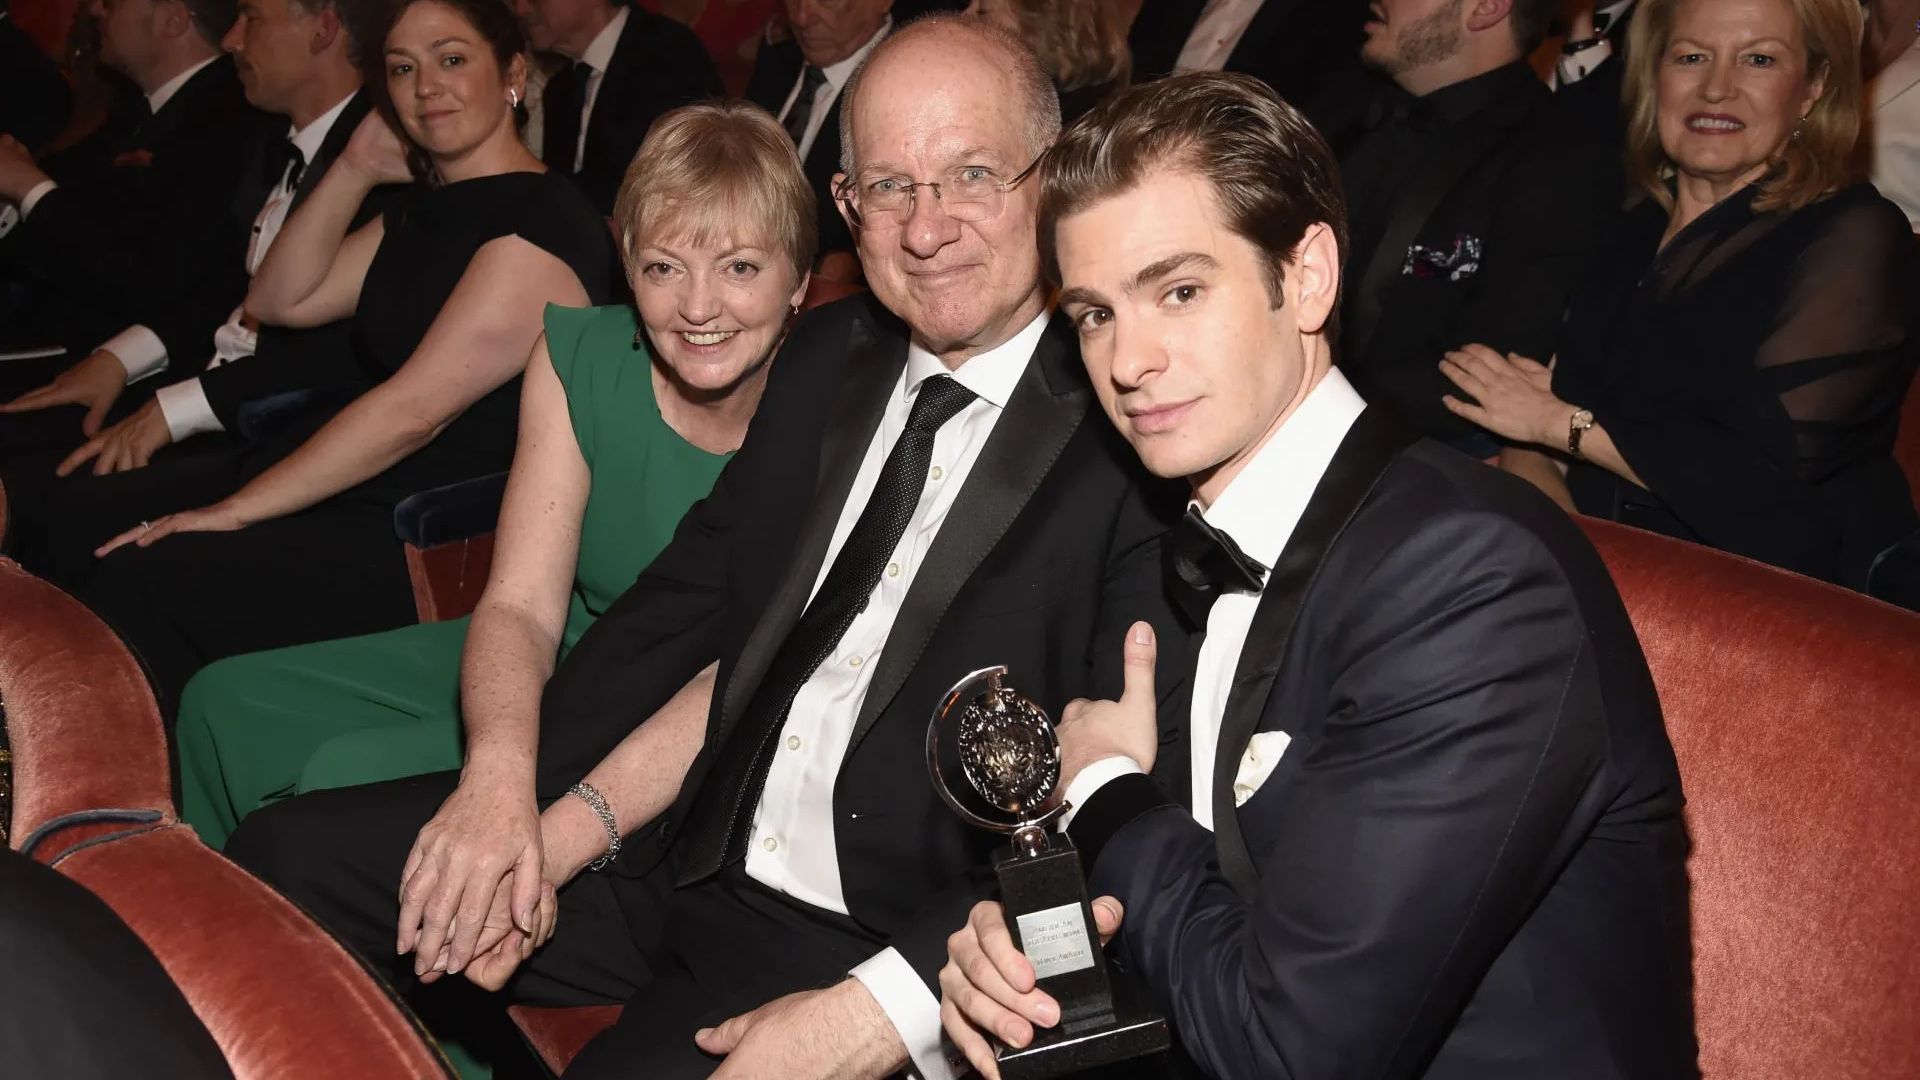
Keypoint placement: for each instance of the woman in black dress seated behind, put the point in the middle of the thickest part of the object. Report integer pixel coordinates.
(1734, 373)
(446, 298)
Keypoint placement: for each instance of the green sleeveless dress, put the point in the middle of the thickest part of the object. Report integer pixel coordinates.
(360, 710)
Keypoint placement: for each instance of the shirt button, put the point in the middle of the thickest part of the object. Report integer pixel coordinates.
(937, 474)
(893, 569)
(793, 742)
(854, 662)
(770, 843)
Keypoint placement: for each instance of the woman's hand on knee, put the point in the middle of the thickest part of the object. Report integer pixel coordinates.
(473, 874)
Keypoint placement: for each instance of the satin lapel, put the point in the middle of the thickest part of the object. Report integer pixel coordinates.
(873, 369)
(330, 147)
(1045, 410)
(1375, 439)
(1437, 176)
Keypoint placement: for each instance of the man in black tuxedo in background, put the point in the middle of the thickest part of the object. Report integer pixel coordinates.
(1588, 75)
(801, 81)
(926, 490)
(1294, 46)
(296, 60)
(157, 234)
(625, 68)
(1474, 209)
(1425, 821)
(35, 100)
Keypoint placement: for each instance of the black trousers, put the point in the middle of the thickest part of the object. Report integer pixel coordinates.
(680, 959)
(335, 570)
(82, 997)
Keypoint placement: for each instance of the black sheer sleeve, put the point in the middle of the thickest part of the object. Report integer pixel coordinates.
(1840, 353)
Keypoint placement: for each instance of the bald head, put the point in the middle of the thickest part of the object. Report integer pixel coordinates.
(957, 55)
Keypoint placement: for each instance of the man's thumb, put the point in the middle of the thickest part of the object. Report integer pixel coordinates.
(1141, 649)
(96, 415)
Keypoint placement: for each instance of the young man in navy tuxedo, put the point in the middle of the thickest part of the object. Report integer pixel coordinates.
(1422, 819)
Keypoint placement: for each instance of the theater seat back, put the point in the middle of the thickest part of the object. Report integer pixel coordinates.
(1794, 709)
(280, 996)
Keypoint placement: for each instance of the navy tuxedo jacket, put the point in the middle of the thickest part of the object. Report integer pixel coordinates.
(1469, 862)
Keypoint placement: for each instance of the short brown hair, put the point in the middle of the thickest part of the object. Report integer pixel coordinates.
(713, 172)
(1271, 172)
(1816, 162)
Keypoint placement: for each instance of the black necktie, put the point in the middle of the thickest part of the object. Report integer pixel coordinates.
(560, 107)
(715, 831)
(1205, 563)
(283, 164)
(811, 79)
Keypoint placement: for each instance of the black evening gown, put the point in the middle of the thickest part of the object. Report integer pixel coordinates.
(1752, 373)
(337, 568)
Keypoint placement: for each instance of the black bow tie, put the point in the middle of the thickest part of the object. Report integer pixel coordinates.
(1206, 563)
(281, 159)
(1390, 106)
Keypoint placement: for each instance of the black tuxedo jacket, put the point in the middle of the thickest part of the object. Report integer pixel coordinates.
(1050, 551)
(1294, 46)
(1488, 237)
(775, 70)
(1593, 103)
(658, 65)
(1469, 861)
(316, 360)
(159, 236)
(35, 100)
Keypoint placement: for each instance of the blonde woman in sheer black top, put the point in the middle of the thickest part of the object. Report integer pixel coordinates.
(1734, 371)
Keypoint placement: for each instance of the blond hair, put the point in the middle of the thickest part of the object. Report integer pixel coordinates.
(1817, 161)
(713, 173)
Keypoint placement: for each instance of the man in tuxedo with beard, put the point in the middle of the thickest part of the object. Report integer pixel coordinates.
(739, 741)
(1474, 205)
(1424, 820)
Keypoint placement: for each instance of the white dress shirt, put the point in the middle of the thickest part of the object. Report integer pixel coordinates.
(598, 56)
(1259, 511)
(1894, 132)
(823, 98)
(792, 845)
(1216, 33)
(139, 349)
(1573, 67)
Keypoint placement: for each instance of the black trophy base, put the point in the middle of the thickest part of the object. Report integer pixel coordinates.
(1130, 1030)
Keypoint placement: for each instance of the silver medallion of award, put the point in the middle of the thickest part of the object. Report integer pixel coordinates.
(1005, 747)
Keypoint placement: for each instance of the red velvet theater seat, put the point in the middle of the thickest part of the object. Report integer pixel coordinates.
(281, 997)
(1794, 709)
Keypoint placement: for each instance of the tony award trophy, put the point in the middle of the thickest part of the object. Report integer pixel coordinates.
(1005, 746)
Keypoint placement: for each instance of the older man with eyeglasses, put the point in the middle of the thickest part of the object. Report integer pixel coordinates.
(926, 490)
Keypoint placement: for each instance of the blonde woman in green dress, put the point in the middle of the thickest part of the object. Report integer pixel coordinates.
(620, 432)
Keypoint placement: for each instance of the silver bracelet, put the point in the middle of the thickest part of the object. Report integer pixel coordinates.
(598, 804)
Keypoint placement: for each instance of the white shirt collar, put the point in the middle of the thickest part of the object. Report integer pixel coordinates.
(992, 375)
(1260, 508)
(307, 140)
(599, 52)
(159, 98)
(838, 74)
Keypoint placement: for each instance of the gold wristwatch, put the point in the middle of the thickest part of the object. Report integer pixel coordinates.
(1577, 425)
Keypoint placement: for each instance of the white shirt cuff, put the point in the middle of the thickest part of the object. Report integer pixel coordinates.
(911, 1008)
(185, 406)
(1574, 67)
(140, 351)
(38, 192)
(1092, 779)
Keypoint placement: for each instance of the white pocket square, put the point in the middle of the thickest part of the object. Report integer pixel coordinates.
(1262, 755)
